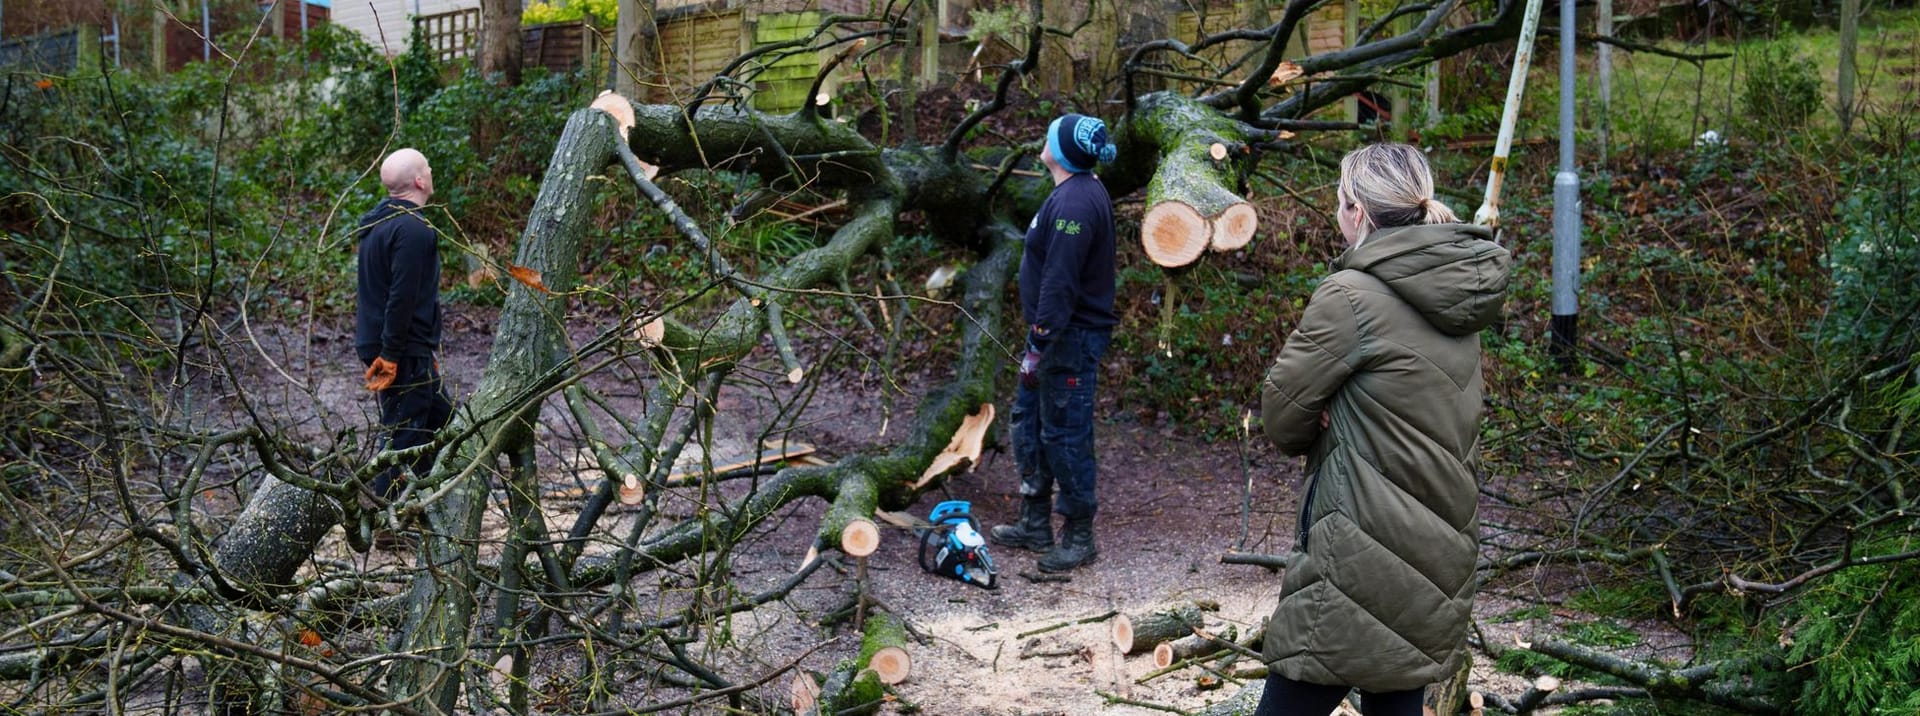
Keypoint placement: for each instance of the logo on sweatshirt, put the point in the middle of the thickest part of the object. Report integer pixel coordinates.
(1070, 228)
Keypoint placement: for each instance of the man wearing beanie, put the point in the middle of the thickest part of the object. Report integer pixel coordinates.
(1066, 296)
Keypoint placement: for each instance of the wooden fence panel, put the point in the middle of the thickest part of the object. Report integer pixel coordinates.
(693, 48)
(452, 35)
(560, 46)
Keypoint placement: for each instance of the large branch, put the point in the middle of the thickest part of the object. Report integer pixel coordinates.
(893, 476)
(1358, 67)
(1708, 683)
(528, 346)
(1197, 159)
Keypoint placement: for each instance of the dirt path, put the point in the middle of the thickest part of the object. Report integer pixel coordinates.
(1171, 505)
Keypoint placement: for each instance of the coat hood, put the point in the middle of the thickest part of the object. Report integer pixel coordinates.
(1453, 274)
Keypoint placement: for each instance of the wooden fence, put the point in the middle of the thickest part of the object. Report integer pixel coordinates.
(693, 48)
(559, 46)
(451, 35)
(57, 52)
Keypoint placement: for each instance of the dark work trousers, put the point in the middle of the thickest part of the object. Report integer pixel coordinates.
(1286, 697)
(1053, 422)
(411, 410)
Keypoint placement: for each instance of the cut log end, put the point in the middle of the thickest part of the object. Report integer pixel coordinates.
(860, 538)
(632, 490)
(1218, 151)
(501, 673)
(651, 334)
(1162, 655)
(617, 107)
(1547, 684)
(822, 99)
(1174, 233)
(1123, 632)
(794, 375)
(892, 664)
(804, 692)
(482, 277)
(1234, 228)
(813, 553)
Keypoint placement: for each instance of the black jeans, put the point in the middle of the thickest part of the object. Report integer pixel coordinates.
(1053, 422)
(411, 410)
(1286, 697)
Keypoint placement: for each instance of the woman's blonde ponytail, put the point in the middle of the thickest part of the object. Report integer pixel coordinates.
(1394, 185)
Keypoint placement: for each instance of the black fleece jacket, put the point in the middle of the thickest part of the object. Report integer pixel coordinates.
(1067, 272)
(398, 312)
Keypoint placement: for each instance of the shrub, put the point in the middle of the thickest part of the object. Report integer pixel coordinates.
(1875, 258)
(1857, 638)
(599, 12)
(1782, 90)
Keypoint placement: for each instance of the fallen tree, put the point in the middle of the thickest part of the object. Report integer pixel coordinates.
(248, 575)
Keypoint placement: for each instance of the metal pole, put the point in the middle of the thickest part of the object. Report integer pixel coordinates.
(206, 31)
(1566, 209)
(116, 40)
(1489, 213)
(303, 21)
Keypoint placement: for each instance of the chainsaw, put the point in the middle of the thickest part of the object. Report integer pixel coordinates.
(952, 545)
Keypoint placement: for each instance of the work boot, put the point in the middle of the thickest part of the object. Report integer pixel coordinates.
(1034, 531)
(1076, 547)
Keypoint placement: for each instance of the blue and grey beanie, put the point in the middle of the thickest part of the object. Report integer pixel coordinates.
(1078, 141)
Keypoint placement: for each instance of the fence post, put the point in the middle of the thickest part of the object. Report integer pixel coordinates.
(1603, 53)
(206, 30)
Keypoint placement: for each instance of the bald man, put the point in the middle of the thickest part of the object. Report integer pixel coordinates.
(397, 319)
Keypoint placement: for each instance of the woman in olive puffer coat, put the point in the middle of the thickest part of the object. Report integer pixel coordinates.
(1379, 386)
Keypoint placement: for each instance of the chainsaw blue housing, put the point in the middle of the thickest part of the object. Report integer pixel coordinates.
(959, 551)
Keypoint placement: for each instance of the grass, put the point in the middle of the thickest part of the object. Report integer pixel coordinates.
(1652, 93)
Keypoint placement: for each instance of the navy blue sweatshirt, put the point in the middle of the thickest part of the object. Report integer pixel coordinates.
(1066, 274)
(398, 312)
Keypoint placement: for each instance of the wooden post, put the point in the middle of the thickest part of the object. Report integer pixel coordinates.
(1603, 56)
(1350, 32)
(1849, 63)
(930, 46)
(1400, 104)
(279, 10)
(1433, 92)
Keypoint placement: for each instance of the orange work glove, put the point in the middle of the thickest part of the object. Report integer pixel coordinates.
(380, 375)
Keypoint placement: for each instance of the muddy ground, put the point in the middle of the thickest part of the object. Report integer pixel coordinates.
(1170, 506)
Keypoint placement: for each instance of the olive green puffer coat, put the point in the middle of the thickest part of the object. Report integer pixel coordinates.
(1378, 592)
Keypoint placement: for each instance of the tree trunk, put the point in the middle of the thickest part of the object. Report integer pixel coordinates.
(527, 348)
(159, 44)
(500, 47)
(636, 41)
(1055, 73)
